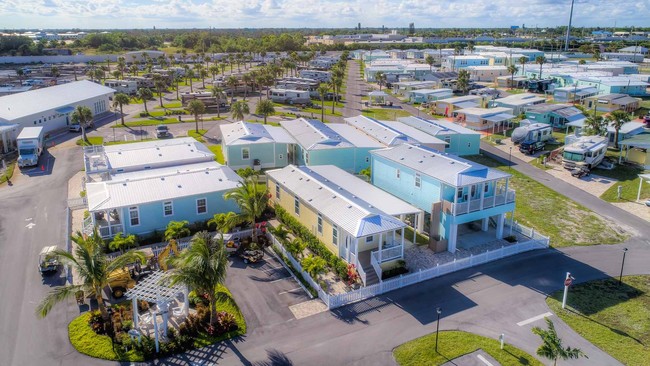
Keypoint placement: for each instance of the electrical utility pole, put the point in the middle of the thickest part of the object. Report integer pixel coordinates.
(568, 30)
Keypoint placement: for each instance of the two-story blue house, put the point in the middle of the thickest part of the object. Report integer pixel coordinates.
(337, 144)
(453, 191)
(458, 139)
(254, 145)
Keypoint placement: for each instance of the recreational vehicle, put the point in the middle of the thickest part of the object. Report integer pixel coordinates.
(129, 87)
(290, 96)
(533, 132)
(322, 76)
(585, 152)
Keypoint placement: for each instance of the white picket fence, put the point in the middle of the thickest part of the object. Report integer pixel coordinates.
(334, 301)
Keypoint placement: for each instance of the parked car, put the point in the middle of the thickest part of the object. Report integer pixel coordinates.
(74, 128)
(530, 147)
(646, 120)
(162, 131)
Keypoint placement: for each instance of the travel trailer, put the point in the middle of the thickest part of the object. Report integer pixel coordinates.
(585, 152)
(533, 132)
(289, 96)
(129, 87)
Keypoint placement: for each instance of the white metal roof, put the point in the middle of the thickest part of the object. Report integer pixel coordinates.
(244, 133)
(449, 169)
(412, 132)
(354, 136)
(158, 152)
(380, 131)
(432, 91)
(346, 210)
(436, 127)
(46, 99)
(484, 112)
(156, 185)
(365, 191)
(586, 143)
(627, 127)
(520, 99)
(312, 134)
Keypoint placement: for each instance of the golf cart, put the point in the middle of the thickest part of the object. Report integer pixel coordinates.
(47, 261)
(252, 256)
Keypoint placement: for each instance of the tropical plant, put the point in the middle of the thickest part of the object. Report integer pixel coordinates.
(512, 69)
(239, 109)
(121, 242)
(197, 108)
(462, 82)
(617, 119)
(176, 230)
(429, 61)
(322, 90)
(232, 83)
(522, 61)
(336, 84)
(540, 60)
(251, 198)
(280, 232)
(265, 108)
(219, 95)
(224, 222)
(201, 267)
(381, 78)
(313, 265)
(551, 346)
(160, 86)
(119, 100)
(189, 73)
(595, 125)
(82, 115)
(145, 94)
(92, 267)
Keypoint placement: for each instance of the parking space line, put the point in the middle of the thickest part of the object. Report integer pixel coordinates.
(280, 279)
(289, 291)
(482, 359)
(534, 319)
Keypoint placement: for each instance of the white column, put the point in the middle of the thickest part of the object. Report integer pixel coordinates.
(402, 243)
(500, 222)
(186, 301)
(638, 195)
(134, 306)
(108, 220)
(451, 238)
(381, 240)
(482, 195)
(155, 332)
(165, 316)
(419, 219)
(394, 236)
(485, 222)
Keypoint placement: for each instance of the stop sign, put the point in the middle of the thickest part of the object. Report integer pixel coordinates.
(568, 282)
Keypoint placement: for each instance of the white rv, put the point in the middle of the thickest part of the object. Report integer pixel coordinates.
(534, 132)
(290, 96)
(585, 152)
(129, 87)
(322, 76)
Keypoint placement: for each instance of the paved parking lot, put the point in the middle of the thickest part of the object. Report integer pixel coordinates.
(264, 290)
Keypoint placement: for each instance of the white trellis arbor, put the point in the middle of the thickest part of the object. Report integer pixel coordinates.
(156, 288)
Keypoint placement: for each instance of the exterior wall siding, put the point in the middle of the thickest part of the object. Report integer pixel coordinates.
(271, 155)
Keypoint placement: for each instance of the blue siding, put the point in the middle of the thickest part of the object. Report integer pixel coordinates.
(152, 215)
(384, 176)
(461, 144)
(349, 159)
(271, 155)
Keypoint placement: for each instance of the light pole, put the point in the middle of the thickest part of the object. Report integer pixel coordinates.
(620, 277)
(438, 312)
(510, 159)
(567, 282)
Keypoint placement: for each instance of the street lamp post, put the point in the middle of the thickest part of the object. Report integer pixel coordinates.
(567, 282)
(438, 312)
(620, 277)
(510, 159)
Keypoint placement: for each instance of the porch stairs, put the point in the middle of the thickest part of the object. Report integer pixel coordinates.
(371, 275)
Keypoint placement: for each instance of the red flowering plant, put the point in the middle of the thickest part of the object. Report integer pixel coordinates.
(353, 275)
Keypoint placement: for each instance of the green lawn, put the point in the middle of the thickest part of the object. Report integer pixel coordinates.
(261, 121)
(8, 173)
(419, 238)
(97, 140)
(218, 153)
(614, 318)
(567, 223)
(197, 136)
(86, 341)
(150, 122)
(161, 113)
(385, 114)
(454, 344)
(170, 105)
(628, 177)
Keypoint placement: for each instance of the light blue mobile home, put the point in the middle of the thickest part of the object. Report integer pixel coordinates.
(255, 145)
(453, 191)
(459, 140)
(336, 144)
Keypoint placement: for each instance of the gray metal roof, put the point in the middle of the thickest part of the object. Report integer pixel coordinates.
(312, 134)
(436, 127)
(346, 210)
(447, 168)
(137, 188)
(354, 136)
(628, 127)
(380, 131)
(244, 133)
(46, 99)
(413, 133)
(520, 99)
(545, 107)
(170, 151)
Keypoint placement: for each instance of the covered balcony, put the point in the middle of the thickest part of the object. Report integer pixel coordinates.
(108, 223)
(472, 202)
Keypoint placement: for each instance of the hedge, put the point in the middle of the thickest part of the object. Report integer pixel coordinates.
(335, 264)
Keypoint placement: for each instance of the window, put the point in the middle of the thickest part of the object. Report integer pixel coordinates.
(397, 173)
(447, 141)
(335, 235)
(277, 191)
(487, 187)
(280, 156)
(201, 206)
(418, 180)
(369, 238)
(134, 216)
(296, 206)
(168, 208)
(367, 159)
(245, 153)
(320, 224)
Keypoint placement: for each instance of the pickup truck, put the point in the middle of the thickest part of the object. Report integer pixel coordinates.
(162, 131)
(531, 147)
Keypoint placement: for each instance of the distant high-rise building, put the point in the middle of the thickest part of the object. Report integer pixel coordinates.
(359, 25)
(411, 28)
(383, 29)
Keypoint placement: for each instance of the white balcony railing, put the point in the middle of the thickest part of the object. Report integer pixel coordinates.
(474, 205)
(388, 254)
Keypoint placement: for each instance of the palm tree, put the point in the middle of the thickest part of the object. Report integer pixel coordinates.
(381, 78)
(251, 198)
(541, 60)
(322, 90)
(55, 72)
(522, 61)
(82, 115)
(246, 78)
(337, 84)
(232, 83)
(224, 222)
(429, 61)
(512, 69)
(462, 81)
(552, 348)
(160, 86)
(595, 125)
(239, 109)
(20, 72)
(116, 74)
(197, 108)
(617, 119)
(218, 95)
(202, 267)
(145, 94)
(119, 100)
(93, 268)
(190, 75)
(265, 108)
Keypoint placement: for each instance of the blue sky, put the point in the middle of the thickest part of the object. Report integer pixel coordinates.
(19, 14)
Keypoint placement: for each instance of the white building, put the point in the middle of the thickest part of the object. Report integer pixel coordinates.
(51, 107)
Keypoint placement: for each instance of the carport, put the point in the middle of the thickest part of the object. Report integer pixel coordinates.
(644, 178)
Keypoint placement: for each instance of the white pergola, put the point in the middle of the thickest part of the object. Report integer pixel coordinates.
(377, 97)
(156, 288)
(643, 178)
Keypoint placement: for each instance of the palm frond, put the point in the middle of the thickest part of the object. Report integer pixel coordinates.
(57, 295)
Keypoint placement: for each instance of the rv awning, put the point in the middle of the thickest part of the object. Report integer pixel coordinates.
(4, 128)
(499, 117)
(377, 94)
(577, 123)
(65, 110)
(641, 141)
(586, 92)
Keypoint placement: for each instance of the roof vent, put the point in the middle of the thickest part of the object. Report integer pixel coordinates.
(370, 206)
(349, 206)
(163, 178)
(159, 154)
(220, 180)
(179, 186)
(320, 187)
